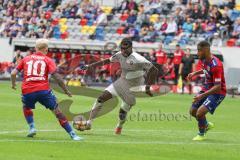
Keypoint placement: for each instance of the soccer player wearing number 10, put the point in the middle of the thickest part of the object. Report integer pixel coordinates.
(213, 92)
(35, 87)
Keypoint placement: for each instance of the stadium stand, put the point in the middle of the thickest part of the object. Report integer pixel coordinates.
(183, 22)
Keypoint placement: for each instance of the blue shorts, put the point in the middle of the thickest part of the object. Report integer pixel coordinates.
(211, 102)
(46, 98)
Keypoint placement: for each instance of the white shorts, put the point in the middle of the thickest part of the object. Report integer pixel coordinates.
(111, 90)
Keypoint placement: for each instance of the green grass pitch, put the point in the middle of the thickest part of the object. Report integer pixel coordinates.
(141, 138)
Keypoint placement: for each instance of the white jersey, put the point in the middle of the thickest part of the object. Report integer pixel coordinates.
(133, 66)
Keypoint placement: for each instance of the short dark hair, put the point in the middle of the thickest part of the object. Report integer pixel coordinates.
(126, 43)
(204, 44)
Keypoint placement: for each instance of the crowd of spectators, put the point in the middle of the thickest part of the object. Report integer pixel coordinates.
(167, 21)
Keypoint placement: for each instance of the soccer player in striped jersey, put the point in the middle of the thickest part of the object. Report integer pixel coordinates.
(213, 91)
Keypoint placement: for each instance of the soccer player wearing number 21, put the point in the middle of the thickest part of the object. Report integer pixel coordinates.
(35, 87)
(213, 92)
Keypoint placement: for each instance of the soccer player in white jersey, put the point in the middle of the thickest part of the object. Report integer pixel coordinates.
(134, 68)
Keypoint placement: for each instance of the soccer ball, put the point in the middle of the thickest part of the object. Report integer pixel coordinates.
(79, 123)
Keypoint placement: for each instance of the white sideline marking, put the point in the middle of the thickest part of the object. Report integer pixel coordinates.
(106, 130)
(114, 142)
(122, 142)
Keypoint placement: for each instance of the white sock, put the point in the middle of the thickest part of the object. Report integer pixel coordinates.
(94, 111)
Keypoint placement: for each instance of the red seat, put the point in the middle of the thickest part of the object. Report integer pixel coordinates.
(64, 35)
(83, 22)
(120, 30)
(55, 22)
(124, 17)
(231, 42)
(48, 15)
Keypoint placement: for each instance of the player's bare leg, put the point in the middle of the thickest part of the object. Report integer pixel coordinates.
(202, 122)
(125, 108)
(122, 120)
(97, 107)
(193, 111)
(65, 124)
(28, 114)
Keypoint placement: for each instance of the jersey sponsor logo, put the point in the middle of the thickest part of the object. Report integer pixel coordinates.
(36, 79)
(37, 57)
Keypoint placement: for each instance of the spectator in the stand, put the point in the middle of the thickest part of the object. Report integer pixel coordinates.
(164, 25)
(150, 36)
(132, 17)
(204, 12)
(133, 33)
(86, 4)
(41, 29)
(197, 28)
(224, 24)
(101, 18)
(144, 31)
(187, 32)
(189, 9)
(178, 15)
(178, 54)
(187, 27)
(132, 5)
(217, 41)
(73, 9)
(123, 6)
(186, 67)
(141, 9)
(124, 15)
(215, 13)
(171, 27)
(211, 28)
(236, 29)
(157, 25)
(196, 13)
(229, 3)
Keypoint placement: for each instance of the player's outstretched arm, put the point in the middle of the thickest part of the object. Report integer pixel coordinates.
(191, 75)
(57, 77)
(13, 78)
(95, 64)
(151, 78)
